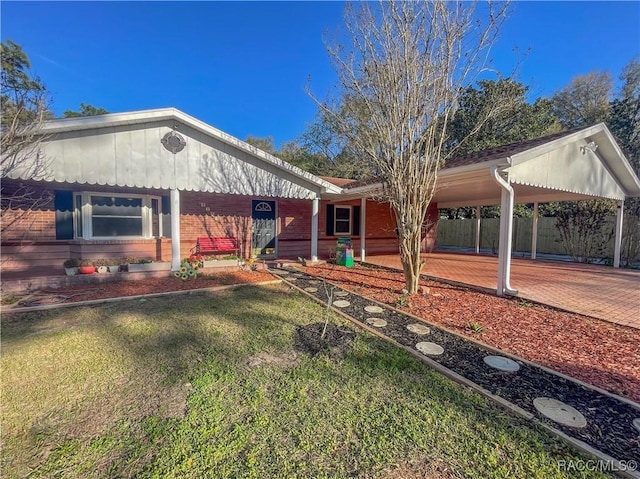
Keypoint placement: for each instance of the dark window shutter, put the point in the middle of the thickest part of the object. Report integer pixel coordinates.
(63, 203)
(166, 217)
(330, 220)
(355, 220)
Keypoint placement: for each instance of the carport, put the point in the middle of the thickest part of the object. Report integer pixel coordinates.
(578, 164)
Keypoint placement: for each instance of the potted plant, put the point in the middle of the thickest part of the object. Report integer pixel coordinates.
(102, 265)
(71, 266)
(86, 266)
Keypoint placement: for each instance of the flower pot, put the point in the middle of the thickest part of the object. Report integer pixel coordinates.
(86, 269)
(103, 269)
(136, 267)
(71, 271)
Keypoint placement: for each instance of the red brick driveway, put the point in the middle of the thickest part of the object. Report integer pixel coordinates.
(597, 291)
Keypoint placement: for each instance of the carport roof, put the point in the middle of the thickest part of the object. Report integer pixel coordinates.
(581, 163)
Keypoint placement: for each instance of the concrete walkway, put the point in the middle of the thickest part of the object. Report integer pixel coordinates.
(597, 291)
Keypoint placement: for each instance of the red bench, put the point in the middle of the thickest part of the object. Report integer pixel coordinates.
(215, 245)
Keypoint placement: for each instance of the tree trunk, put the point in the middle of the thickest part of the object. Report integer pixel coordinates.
(411, 262)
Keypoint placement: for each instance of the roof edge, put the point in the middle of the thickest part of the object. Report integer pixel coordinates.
(110, 120)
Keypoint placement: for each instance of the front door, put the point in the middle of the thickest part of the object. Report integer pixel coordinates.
(263, 228)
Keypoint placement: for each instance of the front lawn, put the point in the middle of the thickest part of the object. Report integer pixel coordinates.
(210, 385)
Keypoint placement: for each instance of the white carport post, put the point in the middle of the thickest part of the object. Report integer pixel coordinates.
(506, 234)
(534, 231)
(477, 229)
(175, 229)
(315, 208)
(363, 215)
(618, 239)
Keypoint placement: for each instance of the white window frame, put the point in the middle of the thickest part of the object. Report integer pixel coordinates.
(87, 215)
(336, 220)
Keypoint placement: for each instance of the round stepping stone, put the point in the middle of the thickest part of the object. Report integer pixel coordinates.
(299, 276)
(289, 278)
(502, 363)
(636, 423)
(341, 303)
(560, 412)
(418, 328)
(311, 290)
(314, 281)
(373, 309)
(431, 349)
(341, 294)
(377, 322)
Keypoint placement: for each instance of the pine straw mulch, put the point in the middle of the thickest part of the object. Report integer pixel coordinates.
(599, 353)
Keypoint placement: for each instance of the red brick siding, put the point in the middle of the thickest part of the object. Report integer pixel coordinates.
(32, 241)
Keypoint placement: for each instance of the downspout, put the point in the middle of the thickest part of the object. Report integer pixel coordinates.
(618, 237)
(506, 233)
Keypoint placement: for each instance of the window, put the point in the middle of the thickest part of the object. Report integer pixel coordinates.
(342, 220)
(109, 215)
(116, 216)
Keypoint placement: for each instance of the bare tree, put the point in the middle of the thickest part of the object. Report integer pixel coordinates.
(24, 102)
(399, 83)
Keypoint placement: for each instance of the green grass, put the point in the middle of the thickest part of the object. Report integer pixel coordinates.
(209, 386)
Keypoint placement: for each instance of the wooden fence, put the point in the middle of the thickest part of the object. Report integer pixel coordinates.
(462, 233)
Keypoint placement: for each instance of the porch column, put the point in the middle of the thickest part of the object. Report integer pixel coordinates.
(363, 223)
(175, 229)
(506, 235)
(618, 239)
(534, 231)
(315, 207)
(477, 229)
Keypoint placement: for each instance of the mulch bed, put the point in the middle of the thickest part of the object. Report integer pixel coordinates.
(595, 351)
(88, 292)
(609, 421)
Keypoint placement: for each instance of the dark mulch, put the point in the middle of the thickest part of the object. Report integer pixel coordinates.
(336, 340)
(609, 421)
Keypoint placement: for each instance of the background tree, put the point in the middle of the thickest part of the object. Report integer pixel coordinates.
(85, 110)
(584, 101)
(399, 84)
(518, 121)
(24, 101)
(625, 126)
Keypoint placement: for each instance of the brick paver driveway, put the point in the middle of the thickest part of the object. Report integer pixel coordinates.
(598, 291)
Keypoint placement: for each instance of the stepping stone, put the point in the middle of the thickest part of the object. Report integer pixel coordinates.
(340, 294)
(341, 303)
(377, 322)
(418, 328)
(636, 423)
(431, 349)
(311, 290)
(502, 363)
(289, 278)
(560, 412)
(373, 309)
(301, 276)
(314, 281)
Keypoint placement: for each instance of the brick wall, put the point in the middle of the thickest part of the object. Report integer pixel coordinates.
(31, 238)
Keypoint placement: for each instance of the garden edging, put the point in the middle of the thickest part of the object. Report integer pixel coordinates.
(579, 444)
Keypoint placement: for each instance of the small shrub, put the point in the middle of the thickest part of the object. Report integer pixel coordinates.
(475, 328)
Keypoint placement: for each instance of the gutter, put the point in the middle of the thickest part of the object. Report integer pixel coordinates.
(506, 234)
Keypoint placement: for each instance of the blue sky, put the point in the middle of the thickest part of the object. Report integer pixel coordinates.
(243, 66)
